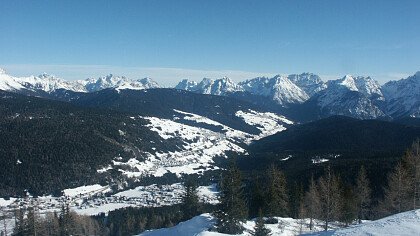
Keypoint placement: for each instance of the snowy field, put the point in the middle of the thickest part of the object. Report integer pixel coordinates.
(407, 223)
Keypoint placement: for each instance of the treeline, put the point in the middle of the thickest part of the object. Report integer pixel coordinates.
(29, 222)
(327, 198)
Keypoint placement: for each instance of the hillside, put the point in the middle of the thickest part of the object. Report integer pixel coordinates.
(338, 133)
(47, 146)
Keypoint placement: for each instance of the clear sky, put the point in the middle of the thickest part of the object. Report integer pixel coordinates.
(170, 40)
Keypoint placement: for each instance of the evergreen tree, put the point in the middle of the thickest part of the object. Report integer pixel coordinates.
(276, 196)
(363, 194)
(260, 229)
(257, 197)
(190, 204)
(232, 205)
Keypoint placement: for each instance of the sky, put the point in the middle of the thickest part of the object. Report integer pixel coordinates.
(171, 40)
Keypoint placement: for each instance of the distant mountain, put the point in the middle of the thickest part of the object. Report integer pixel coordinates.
(279, 88)
(45, 83)
(403, 96)
(221, 86)
(350, 96)
(308, 82)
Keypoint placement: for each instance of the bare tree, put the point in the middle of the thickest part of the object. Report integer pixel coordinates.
(363, 194)
(330, 194)
(396, 194)
(411, 162)
(3, 218)
(312, 202)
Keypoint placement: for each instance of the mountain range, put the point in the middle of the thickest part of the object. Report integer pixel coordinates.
(304, 97)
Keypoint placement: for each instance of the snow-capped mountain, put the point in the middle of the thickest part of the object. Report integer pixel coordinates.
(308, 82)
(8, 83)
(221, 86)
(49, 83)
(349, 96)
(279, 88)
(186, 85)
(355, 96)
(403, 96)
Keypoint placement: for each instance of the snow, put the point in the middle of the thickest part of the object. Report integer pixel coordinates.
(195, 226)
(268, 123)
(199, 145)
(201, 226)
(96, 210)
(406, 223)
(4, 202)
(351, 96)
(403, 96)
(279, 88)
(85, 190)
(50, 83)
(318, 160)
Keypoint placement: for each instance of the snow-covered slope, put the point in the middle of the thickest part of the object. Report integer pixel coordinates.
(199, 145)
(407, 223)
(8, 83)
(279, 88)
(403, 96)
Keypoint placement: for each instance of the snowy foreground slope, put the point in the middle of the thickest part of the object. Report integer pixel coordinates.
(407, 223)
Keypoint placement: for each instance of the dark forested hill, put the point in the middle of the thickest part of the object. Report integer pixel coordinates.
(339, 133)
(162, 102)
(46, 145)
(343, 143)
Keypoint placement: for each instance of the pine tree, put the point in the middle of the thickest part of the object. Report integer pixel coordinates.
(363, 194)
(312, 202)
(260, 229)
(276, 197)
(330, 194)
(232, 205)
(190, 203)
(257, 198)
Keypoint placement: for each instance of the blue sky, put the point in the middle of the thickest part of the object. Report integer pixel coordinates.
(170, 40)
